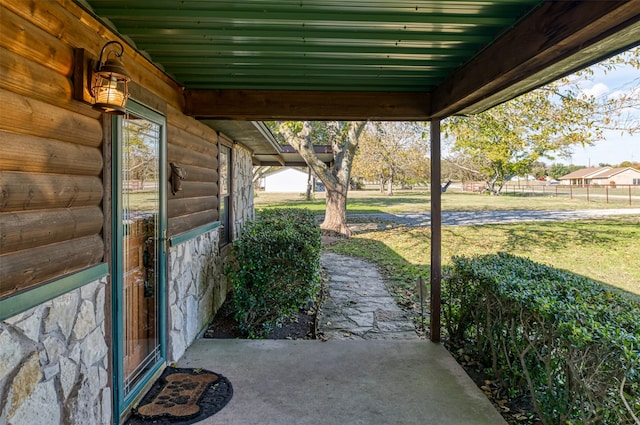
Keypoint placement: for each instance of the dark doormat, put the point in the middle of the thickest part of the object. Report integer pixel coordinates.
(182, 396)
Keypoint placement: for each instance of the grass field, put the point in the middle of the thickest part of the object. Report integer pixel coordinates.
(606, 250)
(372, 201)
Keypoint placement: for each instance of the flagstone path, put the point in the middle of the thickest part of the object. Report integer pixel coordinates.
(358, 306)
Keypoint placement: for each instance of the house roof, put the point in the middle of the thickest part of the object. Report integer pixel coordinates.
(583, 173)
(255, 60)
(596, 173)
(610, 172)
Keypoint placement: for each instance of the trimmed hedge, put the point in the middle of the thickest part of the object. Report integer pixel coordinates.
(563, 338)
(276, 270)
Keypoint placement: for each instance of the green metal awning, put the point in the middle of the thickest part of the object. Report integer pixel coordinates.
(374, 59)
(312, 45)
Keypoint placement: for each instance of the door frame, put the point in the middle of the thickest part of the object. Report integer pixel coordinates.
(121, 402)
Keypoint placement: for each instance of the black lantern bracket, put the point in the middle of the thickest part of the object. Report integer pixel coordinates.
(103, 83)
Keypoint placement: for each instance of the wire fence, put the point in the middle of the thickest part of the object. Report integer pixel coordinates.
(624, 194)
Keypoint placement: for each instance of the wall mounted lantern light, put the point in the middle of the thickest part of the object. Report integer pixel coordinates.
(109, 80)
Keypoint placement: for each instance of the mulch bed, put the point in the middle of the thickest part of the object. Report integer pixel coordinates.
(300, 326)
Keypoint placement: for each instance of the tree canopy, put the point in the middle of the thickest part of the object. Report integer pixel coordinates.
(393, 152)
(511, 138)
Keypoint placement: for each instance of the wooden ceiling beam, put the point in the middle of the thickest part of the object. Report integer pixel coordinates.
(259, 105)
(555, 40)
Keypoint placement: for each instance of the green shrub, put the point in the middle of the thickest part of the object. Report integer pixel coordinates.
(563, 338)
(276, 270)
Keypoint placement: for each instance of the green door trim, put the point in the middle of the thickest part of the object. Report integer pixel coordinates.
(121, 402)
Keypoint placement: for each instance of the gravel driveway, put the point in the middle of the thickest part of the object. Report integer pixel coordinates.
(467, 218)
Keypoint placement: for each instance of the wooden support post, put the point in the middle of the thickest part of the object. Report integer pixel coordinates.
(436, 232)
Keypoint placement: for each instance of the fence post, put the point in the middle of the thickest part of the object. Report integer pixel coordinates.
(571, 191)
(629, 195)
(607, 192)
(587, 186)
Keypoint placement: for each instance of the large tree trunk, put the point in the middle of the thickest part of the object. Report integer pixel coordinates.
(335, 217)
(336, 178)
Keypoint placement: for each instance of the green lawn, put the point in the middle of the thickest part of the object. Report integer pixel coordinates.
(372, 201)
(606, 250)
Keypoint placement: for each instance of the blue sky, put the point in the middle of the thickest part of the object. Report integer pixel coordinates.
(615, 147)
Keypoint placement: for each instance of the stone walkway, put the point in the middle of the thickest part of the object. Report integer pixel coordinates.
(358, 306)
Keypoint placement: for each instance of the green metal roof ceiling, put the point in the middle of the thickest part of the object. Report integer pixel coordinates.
(351, 45)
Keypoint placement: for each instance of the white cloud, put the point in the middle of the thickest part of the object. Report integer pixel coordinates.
(598, 90)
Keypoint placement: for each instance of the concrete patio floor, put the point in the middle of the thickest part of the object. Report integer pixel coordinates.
(300, 382)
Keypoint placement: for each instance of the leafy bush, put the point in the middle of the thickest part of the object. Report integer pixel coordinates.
(276, 270)
(563, 338)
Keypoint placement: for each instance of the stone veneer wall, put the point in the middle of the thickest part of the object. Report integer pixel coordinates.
(243, 208)
(54, 362)
(197, 283)
(196, 290)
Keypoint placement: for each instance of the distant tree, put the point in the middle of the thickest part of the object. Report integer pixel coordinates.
(539, 170)
(459, 167)
(392, 152)
(141, 151)
(558, 170)
(625, 164)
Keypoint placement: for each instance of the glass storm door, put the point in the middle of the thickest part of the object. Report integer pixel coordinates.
(139, 252)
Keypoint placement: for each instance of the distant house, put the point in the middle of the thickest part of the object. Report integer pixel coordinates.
(602, 176)
(287, 180)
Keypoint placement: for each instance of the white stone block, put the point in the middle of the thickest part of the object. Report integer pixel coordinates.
(86, 320)
(31, 325)
(88, 291)
(177, 345)
(11, 351)
(62, 313)
(54, 347)
(94, 348)
(106, 406)
(192, 326)
(100, 307)
(68, 375)
(177, 321)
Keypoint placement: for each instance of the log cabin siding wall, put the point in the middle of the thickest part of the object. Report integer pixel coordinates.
(50, 160)
(194, 147)
(51, 154)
